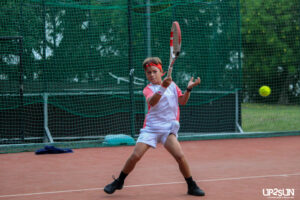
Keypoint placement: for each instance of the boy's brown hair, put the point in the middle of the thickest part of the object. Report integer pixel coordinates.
(155, 60)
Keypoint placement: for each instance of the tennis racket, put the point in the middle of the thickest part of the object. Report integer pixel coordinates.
(175, 45)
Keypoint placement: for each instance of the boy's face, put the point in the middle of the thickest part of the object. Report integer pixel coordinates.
(153, 75)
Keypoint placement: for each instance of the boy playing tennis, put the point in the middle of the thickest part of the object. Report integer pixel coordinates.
(160, 125)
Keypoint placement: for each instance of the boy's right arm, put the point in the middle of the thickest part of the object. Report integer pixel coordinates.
(154, 99)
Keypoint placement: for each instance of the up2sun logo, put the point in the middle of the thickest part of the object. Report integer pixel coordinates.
(278, 193)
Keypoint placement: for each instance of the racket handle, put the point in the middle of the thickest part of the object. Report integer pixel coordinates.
(170, 71)
(171, 67)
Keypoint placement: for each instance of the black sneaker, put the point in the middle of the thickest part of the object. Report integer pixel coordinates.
(115, 185)
(195, 190)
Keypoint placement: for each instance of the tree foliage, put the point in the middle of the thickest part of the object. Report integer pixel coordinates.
(271, 47)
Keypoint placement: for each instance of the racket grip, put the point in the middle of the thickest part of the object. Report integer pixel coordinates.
(170, 71)
(171, 67)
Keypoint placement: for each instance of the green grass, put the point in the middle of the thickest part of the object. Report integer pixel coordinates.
(265, 117)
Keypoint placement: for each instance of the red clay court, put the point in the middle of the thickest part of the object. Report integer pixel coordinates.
(231, 169)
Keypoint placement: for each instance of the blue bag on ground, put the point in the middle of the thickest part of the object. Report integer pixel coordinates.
(52, 150)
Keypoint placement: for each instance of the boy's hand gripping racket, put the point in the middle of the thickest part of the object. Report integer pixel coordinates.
(175, 45)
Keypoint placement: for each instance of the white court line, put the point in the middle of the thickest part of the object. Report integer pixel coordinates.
(153, 184)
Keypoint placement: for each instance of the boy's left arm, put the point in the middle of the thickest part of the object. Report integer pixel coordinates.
(185, 97)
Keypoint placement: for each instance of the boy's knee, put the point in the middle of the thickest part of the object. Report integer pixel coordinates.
(179, 158)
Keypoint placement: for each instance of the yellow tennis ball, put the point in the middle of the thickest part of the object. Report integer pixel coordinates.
(264, 91)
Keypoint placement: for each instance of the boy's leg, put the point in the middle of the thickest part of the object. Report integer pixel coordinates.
(174, 147)
(138, 152)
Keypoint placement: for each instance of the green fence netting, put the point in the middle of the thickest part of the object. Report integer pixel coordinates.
(71, 69)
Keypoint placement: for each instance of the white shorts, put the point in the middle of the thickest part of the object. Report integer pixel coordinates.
(152, 138)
